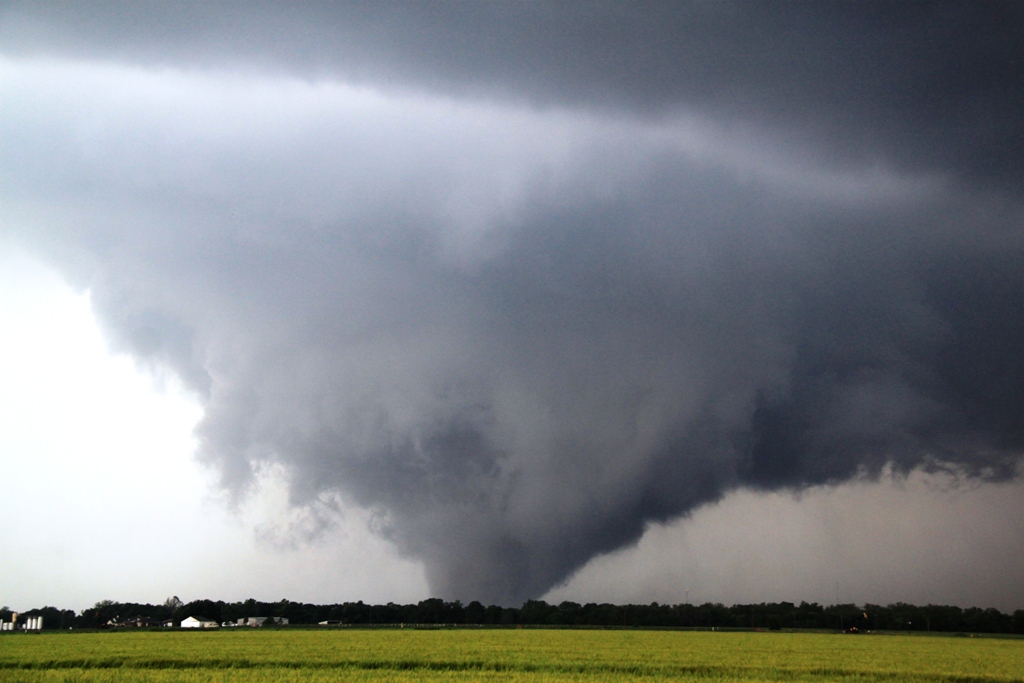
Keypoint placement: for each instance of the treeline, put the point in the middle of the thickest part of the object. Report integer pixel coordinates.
(773, 616)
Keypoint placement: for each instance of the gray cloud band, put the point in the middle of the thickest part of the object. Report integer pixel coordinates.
(916, 84)
(520, 336)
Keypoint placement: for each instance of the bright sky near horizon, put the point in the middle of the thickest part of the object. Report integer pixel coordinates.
(103, 498)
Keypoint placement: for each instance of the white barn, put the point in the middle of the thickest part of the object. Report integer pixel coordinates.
(198, 622)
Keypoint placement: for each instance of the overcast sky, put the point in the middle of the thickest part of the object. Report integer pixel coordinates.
(495, 301)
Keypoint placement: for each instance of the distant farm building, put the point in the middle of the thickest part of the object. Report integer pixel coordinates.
(198, 622)
(135, 622)
(259, 621)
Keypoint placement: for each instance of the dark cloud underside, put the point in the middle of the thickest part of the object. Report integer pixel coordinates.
(917, 84)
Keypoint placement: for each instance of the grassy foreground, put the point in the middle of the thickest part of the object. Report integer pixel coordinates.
(502, 655)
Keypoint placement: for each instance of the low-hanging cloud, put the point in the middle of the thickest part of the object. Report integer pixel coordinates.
(519, 335)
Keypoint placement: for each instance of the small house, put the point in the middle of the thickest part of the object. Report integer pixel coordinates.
(198, 622)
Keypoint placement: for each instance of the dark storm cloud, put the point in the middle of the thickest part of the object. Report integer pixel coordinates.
(746, 246)
(915, 84)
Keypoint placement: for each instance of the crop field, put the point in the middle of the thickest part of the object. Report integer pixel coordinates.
(501, 655)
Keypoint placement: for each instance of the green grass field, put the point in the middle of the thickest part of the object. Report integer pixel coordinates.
(502, 655)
